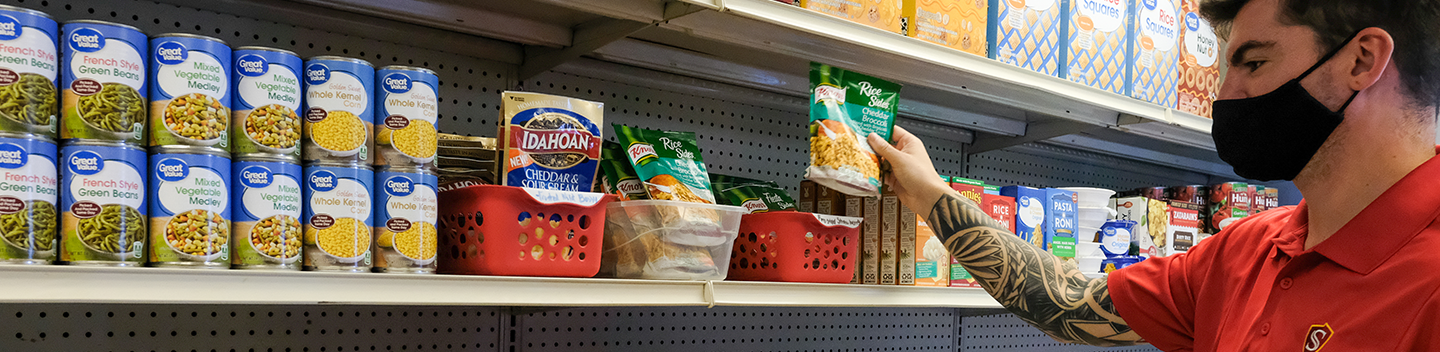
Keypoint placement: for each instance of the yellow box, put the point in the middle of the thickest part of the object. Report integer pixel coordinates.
(1026, 33)
(1156, 51)
(1199, 66)
(932, 260)
(882, 14)
(1097, 35)
(958, 24)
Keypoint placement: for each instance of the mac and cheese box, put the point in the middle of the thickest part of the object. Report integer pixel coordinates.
(1026, 33)
(1097, 34)
(882, 14)
(1155, 62)
(958, 24)
(1029, 213)
(1199, 66)
(1061, 222)
(968, 188)
(932, 262)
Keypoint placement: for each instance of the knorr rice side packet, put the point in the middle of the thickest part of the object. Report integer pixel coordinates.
(758, 198)
(617, 176)
(845, 107)
(669, 164)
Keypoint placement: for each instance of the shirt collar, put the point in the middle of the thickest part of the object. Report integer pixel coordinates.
(1384, 226)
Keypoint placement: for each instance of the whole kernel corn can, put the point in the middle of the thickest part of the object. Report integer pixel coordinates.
(266, 102)
(405, 216)
(338, 217)
(406, 113)
(339, 116)
(103, 93)
(29, 70)
(189, 91)
(103, 203)
(28, 194)
(189, 207)
(266, 232)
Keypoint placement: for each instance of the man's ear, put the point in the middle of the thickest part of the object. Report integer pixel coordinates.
(1372, 48)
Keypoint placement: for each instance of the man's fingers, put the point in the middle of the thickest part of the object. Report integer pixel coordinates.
(882, 147)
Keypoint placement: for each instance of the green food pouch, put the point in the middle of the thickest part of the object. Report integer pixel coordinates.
(845, 108)
(759, 197)
(618, 177)
(668, 163)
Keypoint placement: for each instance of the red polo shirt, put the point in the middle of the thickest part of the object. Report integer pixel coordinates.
(1373, 286)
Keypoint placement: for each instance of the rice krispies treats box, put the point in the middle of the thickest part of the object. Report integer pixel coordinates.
(882, 14)
(957, 24)
(1155, 49)
(1097, 36)
(1026, 33)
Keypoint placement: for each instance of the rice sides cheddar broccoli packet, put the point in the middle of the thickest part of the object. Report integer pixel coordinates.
(550, 142)
(668, 163)
(845, 107)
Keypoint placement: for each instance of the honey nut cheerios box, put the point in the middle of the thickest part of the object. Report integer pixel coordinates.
(1026, 33)
(1097, 36)
(1155, 51)
(957, 24)
(1199, 66)
(882, 14)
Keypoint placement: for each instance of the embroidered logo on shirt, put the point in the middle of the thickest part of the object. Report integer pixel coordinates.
(1317, 337)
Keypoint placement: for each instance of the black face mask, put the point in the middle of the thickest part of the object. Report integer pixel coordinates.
(1272, 136)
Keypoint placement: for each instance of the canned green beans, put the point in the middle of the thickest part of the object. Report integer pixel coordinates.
(189, 207)
(338, 216)
(406, 108)
(29, 66)
(405, 215)
(339, 117)
(266, 194)
(28, 193)
(103, 82)
(189, 91)
(102, 196)
(267, 95)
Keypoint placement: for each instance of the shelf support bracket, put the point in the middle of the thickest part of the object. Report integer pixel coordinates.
(588, 37)
(1033, 133)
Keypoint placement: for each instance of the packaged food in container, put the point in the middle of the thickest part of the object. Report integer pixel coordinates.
(189, 91)
(1151, 217)
(845, 108)
(29, 77)
(266, 212)
(338, 217)
(1095, 49)
(1026, 34)
(618, 177)
(854, 208)
(957, 24)
(1183, 230)
(889, 238)
(103, 203)
(189, 207)
(1001, 208)
(905, 267)
(870, 242)
(1258, 201)
(1061, 222)
(266, 102)
(882, 14)
(339, 112)
(974, 190)
(1030, 204)
(1116, 237)
(407, 110)
(405, 219)
(1272, 197)
(1229, 201)
(1199, 62)
(1155, 49)
(29, 222)
(551, 142)
(932, 259)
(103, 82)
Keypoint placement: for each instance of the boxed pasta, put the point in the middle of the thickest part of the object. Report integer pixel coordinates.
(551, 142)
(882, 14)
(992, 190)
(1097, 34)
(932, 263)
(1151, 217)
(1199, 64)
(973, 190)
(1155, 49)
(1000, 208)
(1025, 34)
(1029, 213)
(870, 242)
(845, 108)
(825, 200)
(1061, 222)
(957, 24)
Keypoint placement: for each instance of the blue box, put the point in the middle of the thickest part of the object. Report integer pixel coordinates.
(1061, 222)
(1029, 213)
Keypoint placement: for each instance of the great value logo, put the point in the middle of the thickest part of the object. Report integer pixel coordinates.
(172, 170)
(85, 162)
(256, 177)
(322, 181)
(251, 65)
(317, 74)
(171, 53)
(86, 40)
(13, 156)
(10, 28)
(399, 186)
(396, 83)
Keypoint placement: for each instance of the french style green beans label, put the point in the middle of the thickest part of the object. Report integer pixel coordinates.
(189, 208)
(104, 83)
(190, 92)
(266, 214)
(267, 95)
(28, 193)
(29, 68)
(102, 196)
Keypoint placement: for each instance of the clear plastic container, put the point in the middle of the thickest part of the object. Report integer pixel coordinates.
(660, 239)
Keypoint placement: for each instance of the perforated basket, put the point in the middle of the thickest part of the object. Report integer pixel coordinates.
(501, 230)
(796, 247)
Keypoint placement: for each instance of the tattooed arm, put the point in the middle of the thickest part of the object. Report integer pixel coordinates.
(1041, 289)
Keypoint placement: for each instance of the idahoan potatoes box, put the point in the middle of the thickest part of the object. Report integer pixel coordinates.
(1156, 33)
(882, 14)
(1199, 81)
(1097, 34)
(1026, 33)
(958, 24)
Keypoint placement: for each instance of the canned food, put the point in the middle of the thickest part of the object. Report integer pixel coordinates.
(338, 115)
(266, 213)
(189, 207)
(407, 109)
(29, 65)
(405, 216)
(189, 91)
(103, 82)
(267, 95)
(102, 196)
(338, 217)
(27, 200)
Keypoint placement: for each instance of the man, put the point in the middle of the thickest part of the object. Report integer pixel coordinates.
(1338, 95)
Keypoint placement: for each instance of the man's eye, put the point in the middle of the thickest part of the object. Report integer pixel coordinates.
(1253, 65)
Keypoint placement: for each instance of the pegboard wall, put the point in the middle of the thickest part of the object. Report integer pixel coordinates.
(1043, 165)
(1006, 333)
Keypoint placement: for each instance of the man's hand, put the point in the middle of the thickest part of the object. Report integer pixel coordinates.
(912, 175)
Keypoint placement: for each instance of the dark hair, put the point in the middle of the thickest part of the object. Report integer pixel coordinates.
(1412, 23)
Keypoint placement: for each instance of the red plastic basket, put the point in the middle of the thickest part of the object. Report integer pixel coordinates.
(795, 247)
(500, 230)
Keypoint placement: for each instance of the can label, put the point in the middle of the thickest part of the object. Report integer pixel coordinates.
(189, 209)
(407, 110)
(28, 192)
(405, 218)
(103, 83)
(102, 196)
(267, 213)
(29, 66)
(267, 95)
(189, 92)
(337, 217)
(338, 116)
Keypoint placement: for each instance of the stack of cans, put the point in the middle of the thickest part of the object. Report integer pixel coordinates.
(28, 104)
(265, 139)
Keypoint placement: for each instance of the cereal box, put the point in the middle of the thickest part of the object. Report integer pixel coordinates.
(1229, 201)
(870, 242)
(1026, 33)
(1097, 34)
(1029, 213)
(1001, 208)
(1199, 67)
(1061, 222)
(932, 263)
(958, 24)
(1154, 62)
(968, 188)
(550, 142)
(906, 262)
(889, 237)
(1184, 225)
(882, 14)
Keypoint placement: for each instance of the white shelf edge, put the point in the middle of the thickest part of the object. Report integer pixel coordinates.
(741, 293)
(1190, 121)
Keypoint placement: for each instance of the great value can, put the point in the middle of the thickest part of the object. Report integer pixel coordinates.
(266, 196)
(28, 192)
(189, 91)
(189, 207)
(337, 216)
(267, 96)
(29, 66)
(339, 117)
(407, 109)
(103, 82)
(405, 215)
(103, 203)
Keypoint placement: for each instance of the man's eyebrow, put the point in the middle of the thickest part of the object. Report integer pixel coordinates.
(1246, 47)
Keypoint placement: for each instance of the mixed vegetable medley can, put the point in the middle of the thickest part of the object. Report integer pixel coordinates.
(405, 216)
(266, 216)
(29, 66)
(28, 193)
(189, 207)
(337, 217)
(103, 82)
(406, 109)
(189, 91)
(103, 203)
(266, 99)
(338, 117)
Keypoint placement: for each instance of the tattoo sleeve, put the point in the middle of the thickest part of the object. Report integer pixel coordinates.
(1041, 289)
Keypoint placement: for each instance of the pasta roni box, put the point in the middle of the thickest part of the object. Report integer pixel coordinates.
(1199, 67)
(882, 14)
(1061, 222)
(1029, 213)
(550, 142)
(1000, 208)
(957, 24)
(1025, 33)
(1097, 34)
(1155, 63)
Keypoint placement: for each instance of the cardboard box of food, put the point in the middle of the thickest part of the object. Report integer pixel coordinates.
(889, 238)
(1155, 51)
(1097, 37)
(1184, 226)
(870, 242)
(1061, 222)
(1151, 217)
(957, 24)
(906, 262)
(932, 260)
(1026, 34)
(855, 207)
(882, 14)
(1001, 208)
(968, 188)
(1029, 213)
(807, 196)
(825, 201)
(1199, 65)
